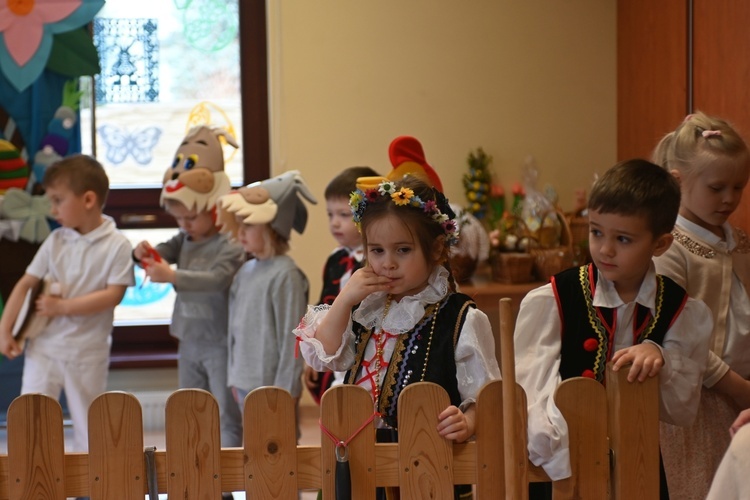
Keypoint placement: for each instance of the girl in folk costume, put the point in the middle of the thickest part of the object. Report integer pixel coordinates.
(711, 260)
(399, 319)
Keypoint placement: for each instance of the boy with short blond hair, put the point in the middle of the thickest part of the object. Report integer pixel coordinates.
(200, 263)
(90, 260)
(615, 309)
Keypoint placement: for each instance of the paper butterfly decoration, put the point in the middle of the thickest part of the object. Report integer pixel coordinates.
(26, 33)
(121, 142)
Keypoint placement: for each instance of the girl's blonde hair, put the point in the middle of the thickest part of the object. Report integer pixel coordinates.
(699, 141)
(273, 243)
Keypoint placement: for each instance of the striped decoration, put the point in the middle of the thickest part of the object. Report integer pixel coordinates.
(11, 133)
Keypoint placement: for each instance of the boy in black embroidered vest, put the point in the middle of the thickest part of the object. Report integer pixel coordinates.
(402, 308)
(342, 262)
(639, 317)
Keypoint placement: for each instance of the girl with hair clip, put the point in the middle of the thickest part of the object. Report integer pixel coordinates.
(711, 260)
(403, 308)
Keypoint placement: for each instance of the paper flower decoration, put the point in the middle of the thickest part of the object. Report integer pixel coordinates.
(26, 33)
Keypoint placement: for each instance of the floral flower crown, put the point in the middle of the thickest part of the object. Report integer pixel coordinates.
(372, 189)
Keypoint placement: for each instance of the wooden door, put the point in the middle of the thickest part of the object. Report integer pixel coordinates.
(721, 70)
(652, 56)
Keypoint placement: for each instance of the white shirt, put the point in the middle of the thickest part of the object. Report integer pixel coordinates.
(81, 263)
(537, 352)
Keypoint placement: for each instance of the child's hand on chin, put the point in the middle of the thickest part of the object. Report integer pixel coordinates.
(362, 283)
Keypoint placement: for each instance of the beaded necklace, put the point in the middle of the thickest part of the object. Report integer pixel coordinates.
(380, 339)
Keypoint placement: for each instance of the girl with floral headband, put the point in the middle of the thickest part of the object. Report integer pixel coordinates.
(399, 319)
(710, 259)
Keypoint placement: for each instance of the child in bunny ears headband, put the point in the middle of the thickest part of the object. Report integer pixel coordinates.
(196, 177)
(269, 293)
(402, 308)
(206, 262)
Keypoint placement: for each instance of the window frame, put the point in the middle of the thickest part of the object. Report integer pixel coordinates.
(151, 346)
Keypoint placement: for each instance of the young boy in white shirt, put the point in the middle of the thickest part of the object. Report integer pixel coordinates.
(615, 309)
(90, 260)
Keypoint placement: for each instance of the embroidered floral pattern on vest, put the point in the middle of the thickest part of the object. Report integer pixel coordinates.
(601, 330)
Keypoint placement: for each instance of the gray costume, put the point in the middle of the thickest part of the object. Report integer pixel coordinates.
(266, 301)
(199, 320)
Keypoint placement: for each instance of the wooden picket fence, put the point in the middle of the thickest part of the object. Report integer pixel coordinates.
(272, 466)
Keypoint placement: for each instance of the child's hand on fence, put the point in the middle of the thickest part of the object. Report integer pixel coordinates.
(456, 425)
(646, 360)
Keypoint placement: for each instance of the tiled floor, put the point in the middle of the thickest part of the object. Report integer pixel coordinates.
(308, 426)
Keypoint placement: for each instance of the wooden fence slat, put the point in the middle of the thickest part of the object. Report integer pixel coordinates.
(270, 441)
(425, 457)
(193, 445)
(343, 411)
(36, 448)
(514, 411)
(583, 403)
(116, 467)
(490, 463)
(634, 436)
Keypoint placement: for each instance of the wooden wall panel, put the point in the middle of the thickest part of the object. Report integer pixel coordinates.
(651, 73)
(721, 70)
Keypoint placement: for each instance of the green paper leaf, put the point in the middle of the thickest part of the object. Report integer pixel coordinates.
(73, 54)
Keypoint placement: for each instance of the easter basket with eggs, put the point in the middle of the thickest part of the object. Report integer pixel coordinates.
(552, 246)
(546, 230)
(509, 260)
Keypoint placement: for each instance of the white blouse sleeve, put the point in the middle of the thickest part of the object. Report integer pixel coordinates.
(311, 348)
(475, 356)
(685, 351)
(537, 354)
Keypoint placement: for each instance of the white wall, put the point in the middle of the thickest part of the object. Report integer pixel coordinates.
(516, 77)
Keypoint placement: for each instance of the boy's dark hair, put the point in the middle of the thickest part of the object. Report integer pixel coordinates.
(344, 183)
(638, 187)
(80, 173)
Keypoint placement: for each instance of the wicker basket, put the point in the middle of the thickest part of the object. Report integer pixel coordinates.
(579, 238)
(550, 261)
(462, 267)
(511, 267)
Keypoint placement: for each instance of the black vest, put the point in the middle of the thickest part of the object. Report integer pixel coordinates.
(586, 345)
(337, 265)
(409, 360)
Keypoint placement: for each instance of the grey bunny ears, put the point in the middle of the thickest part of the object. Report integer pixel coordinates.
(276, 201)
